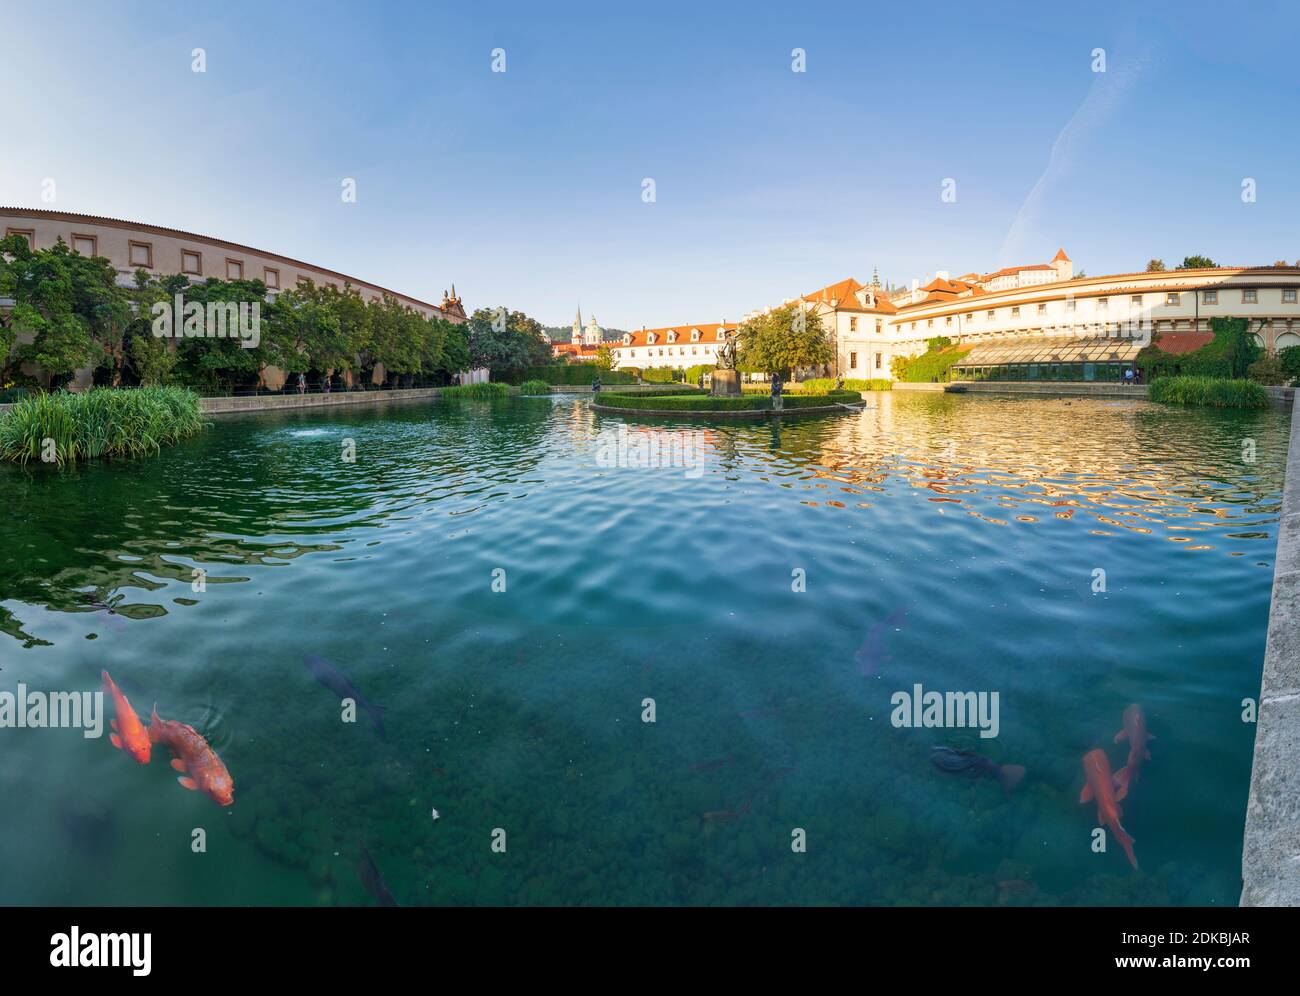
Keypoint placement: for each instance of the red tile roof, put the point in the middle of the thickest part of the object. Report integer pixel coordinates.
(1178, 343)
(708, 333)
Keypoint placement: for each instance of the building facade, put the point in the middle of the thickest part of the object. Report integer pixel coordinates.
(676, 347)
(130, 246)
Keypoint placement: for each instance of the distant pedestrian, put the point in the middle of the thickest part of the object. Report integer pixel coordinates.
(1128, 375)
(325, 385)
(302, 383)
(595, 384)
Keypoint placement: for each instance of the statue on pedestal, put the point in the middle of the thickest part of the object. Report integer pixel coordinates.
(726, 378)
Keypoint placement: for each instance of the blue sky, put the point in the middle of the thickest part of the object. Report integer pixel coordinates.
(524, 187)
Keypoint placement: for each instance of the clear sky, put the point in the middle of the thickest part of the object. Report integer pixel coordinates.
(525, 187)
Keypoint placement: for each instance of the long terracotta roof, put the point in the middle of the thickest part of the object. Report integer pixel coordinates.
(708, 333)
(136, 226)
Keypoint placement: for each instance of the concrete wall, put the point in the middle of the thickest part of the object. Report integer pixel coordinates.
(335, 399)
(1270, 856)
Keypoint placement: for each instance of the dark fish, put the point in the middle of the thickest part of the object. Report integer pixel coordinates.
(871, 655)
(341, 685)
(713, 765)
(967, 762)
(89, 824)
(373, 880)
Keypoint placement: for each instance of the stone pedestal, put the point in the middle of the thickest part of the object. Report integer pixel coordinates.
(726, 384)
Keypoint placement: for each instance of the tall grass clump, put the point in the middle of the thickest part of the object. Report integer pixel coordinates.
(101, 423)
(489, 390)
(1216, 392)
(825, 385)
(534, 387)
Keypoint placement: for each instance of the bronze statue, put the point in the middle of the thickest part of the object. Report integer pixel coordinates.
(727, 354)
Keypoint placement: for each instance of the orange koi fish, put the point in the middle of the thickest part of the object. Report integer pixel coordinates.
(1135, 732)
(201, 769)
(128, 734)
(1101, 786)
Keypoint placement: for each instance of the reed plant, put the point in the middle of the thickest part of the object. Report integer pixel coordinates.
(1214, 392)
(101, 423)
(489, 390)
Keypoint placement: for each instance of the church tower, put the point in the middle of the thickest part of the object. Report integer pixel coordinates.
(577, 329)
(592, 335)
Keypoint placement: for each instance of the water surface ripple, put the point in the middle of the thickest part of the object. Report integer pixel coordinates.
(953, 542)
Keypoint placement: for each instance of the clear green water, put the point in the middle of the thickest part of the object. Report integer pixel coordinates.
(522, 710)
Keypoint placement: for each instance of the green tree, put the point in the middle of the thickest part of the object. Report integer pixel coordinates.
(783, 341)
(216, 364)
(68, 303)
(152, 358)
(1155, 266)
(506, 342)
(1196, 263)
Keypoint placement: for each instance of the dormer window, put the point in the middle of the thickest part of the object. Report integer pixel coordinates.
(672, 336)
(627, 338)
(695, 335)
(722, 334)
(651, 338)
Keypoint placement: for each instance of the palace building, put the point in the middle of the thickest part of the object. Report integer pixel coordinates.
(677, 347)
(130, 246)
(1089, 328)
(1035, 321)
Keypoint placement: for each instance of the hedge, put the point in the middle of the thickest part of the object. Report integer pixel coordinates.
(698, 401)
(569, 374)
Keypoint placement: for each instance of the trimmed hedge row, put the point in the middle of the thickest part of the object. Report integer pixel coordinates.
(699, 401)
(569, 374)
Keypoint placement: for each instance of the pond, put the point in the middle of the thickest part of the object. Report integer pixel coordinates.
(645, 661)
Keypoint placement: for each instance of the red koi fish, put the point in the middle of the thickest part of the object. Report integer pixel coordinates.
(201, 769)
(1101, 786)
(128, 734)
(1135, 732)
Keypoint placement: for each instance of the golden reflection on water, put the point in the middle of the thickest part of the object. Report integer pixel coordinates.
(1115, 467)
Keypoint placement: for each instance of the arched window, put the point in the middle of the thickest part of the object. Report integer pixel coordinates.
(672, 336)
(695, 335)
(651, 338)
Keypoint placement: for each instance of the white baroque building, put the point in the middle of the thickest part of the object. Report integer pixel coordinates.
(677, 347)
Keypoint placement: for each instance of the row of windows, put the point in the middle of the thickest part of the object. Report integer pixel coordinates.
(681, 351)
(653, 337)
(853, 360)
(853, 324)
(1249, 295)
(141, 255)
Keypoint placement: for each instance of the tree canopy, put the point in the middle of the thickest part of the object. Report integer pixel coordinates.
(69, 312)
(782, 341)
